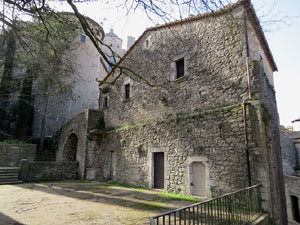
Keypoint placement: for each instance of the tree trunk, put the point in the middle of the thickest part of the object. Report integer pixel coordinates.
(42, 134)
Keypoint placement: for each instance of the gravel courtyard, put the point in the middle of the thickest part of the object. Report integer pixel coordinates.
(80, 202)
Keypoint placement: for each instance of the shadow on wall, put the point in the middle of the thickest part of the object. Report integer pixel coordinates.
(8, 221)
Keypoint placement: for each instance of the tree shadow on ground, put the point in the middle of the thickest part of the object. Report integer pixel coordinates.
(109, 194)
(8, 221)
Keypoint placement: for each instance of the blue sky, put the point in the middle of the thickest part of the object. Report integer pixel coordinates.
(283, 40)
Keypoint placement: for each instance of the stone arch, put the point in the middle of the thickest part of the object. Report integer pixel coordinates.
(70, 148)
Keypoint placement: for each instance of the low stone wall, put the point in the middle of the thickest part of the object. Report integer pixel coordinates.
(11, 154)
(292, 188)
(42, 171)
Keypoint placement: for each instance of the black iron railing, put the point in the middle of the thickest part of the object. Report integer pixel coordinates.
(236, 208)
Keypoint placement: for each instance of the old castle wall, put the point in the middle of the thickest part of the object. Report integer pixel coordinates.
(214, 137)
(162, 118)
(214, 56)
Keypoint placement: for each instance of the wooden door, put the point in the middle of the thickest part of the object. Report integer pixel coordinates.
(111, 165)
(159, 170)
(198, 179)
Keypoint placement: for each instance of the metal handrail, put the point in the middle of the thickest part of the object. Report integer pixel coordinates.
(236, 208)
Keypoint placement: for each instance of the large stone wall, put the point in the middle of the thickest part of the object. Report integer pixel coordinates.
(11, 154)
(213, 137)
(214, 72)
(43, 171)
(267, 136)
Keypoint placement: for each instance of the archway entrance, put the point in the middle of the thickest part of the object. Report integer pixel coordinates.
(198, 187)
(70, 148)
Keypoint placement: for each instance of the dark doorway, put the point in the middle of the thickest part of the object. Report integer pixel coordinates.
(295, 208)
(159, 170)
(70, 148)
(111, 164)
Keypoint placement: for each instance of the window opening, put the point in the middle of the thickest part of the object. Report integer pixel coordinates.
(127, 91)
(83, 38)
(295, 208)
(147, 43)
(105, 103)
(179, 68)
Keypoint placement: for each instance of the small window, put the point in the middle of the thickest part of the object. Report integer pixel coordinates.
(127, 91)
(110, 45)
(105, 101)
(83, 38)
(147, 43)
(295, 208)
(179, 68)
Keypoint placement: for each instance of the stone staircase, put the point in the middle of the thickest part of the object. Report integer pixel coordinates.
(9, 175)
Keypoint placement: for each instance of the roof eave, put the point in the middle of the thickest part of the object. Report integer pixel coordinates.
(252, 17)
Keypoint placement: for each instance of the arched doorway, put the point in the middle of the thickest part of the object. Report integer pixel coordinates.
(198, 187)
(70, 148)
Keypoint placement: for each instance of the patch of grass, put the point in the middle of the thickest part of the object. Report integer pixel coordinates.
(180, 197)
(125, 185)
(13, 141)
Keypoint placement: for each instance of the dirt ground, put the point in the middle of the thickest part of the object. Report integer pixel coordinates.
(78, 202)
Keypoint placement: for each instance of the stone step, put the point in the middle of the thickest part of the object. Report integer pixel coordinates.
(9, 168)
(9, 179)
(5, 170)
(9, 175)
(10, 182)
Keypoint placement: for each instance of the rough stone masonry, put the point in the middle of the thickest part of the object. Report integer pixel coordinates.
(181, 127)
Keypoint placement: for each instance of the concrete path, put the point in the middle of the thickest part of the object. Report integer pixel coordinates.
(68, 203)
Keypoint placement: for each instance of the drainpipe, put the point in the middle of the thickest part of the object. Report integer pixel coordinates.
(246, 100)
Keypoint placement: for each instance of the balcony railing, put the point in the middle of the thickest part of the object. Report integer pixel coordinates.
(237, 208)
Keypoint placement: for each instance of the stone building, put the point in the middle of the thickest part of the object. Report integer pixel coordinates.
(290, 148)
(182, 117)
(112, 47)
(85, 94)
(87, 65)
